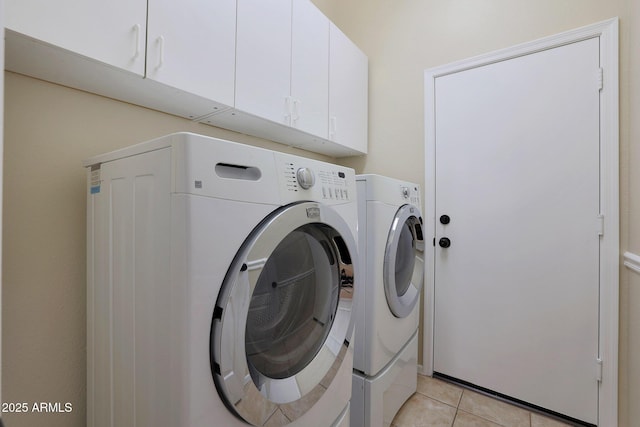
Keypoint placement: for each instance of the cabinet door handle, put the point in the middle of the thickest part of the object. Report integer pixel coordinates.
(288, 110)
(296, 110)
(136, 48)
(160, 41)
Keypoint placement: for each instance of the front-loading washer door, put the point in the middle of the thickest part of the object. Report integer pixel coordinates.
(403, 267)
(282, 322)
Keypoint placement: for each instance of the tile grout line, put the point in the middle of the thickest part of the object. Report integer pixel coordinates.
(530, 413)
(464, 393)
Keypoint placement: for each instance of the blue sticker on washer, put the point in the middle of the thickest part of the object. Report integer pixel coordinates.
(95, 179)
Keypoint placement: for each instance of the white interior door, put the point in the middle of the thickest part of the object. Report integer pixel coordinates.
(517, 157)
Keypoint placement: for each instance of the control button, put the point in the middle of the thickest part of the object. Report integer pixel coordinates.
(324, 193)
(346, 195)
(405, 192)
(305, 178)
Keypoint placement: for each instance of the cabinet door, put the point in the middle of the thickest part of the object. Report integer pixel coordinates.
(112, 32)
(263, 58)
(348, 91)
(310, 69)
(191, 46)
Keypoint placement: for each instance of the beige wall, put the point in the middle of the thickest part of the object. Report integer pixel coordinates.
(1, 173)
(49, 130)
(403, 38)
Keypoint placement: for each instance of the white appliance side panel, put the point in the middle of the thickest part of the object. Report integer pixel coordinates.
(361, 303)
(344, 419)
(400, 382)
(98, 311)
(152, 290)
(130, 291)
(376, 400)
(122, 297)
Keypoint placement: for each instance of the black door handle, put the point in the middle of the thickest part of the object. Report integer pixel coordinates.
(444, 219)
(444, 242)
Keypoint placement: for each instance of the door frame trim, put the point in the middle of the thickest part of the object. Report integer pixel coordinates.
(610, 262)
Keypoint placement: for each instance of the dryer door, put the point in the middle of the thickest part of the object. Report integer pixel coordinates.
(403, 268)
(282, 322)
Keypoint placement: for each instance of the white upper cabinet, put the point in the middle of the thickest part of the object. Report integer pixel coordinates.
(263, 59)
(348, 92)
(282, 69)
(309, 69)
(191, 46)
(112, 32)
(275, 69)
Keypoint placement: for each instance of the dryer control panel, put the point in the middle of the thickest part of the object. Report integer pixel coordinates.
(388, 190)
(306, 179)
(410, 193)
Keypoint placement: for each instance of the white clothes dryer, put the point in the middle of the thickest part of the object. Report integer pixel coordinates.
(391, 242)
(220, 285)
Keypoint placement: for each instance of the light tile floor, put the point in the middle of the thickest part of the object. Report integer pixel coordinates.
(438, 403)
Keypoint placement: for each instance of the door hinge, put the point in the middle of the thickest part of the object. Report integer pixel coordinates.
(600, 225)
(599, 370)
(600, 78)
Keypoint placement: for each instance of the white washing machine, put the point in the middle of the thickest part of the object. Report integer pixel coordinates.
(220, 285)
(391, 243)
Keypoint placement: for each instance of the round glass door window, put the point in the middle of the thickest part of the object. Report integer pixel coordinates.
(403, 268)
(293, 304)
(282, 322)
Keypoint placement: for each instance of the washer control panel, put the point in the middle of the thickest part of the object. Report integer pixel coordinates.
(314, 180)
(334, 185)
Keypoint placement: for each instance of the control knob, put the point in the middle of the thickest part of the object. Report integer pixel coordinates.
(305, 178)
(405, 192)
